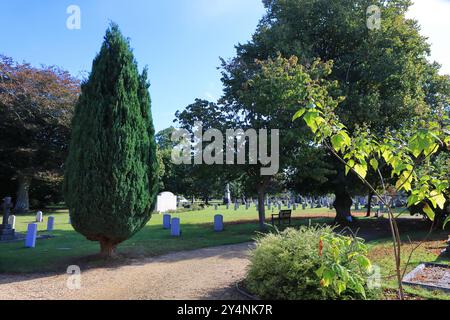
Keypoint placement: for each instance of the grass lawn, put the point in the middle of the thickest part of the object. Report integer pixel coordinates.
(381, 253)
(68, 247)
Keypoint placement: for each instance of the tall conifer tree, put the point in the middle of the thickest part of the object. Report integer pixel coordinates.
(111, 179)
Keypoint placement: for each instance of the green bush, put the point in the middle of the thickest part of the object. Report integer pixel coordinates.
(309, 264)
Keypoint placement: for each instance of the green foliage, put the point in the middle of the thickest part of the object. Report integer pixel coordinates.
(309, 264)
(363, 151)
(111, 173)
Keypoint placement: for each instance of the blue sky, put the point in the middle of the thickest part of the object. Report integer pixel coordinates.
(180, 40)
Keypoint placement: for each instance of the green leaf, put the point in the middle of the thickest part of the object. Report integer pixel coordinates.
(310, 119)
(447, 221)
(364, 262)
(374, 163)
(340, 141)
(430, 213)
(299, 114)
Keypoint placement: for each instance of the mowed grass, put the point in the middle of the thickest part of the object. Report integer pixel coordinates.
(381, 254)
(68, 247)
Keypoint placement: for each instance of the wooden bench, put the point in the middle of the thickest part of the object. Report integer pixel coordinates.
(284, 215)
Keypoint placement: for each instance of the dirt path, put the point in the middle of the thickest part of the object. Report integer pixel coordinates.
(201, 274)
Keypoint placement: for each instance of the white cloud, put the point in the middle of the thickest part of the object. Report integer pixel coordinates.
(434, 18)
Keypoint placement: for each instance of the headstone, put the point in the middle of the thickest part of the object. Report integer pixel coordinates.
(216, 207)
(166, 202)
(39, 217)
(30, 240)
(247, 205)
(304, 205)
(6, 230)
(166, 221)
(12, 221)
(228, 206)
(295, 206)
(50, 223)
(218, 223)
(175, 228)
(227, 198)
(289, 205)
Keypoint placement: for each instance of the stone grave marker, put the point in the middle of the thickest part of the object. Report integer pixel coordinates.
(166, 221)
(39, 217)
(175, 228)
(30, 240)
(6, 230)
(50, 223)
(218, 223)
(12, 221)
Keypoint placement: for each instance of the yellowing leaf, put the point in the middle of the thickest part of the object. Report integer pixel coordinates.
(430, 213)
(439, 199)
(360, 170)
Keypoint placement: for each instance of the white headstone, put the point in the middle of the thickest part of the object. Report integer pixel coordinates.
(12, 221)
(166, 202)
(39, 216)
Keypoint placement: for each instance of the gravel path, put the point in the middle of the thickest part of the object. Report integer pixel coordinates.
(200, 274)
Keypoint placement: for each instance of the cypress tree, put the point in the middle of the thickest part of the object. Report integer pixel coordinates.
(110, 183)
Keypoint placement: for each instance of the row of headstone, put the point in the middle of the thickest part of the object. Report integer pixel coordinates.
(174, 224)
(30, 239)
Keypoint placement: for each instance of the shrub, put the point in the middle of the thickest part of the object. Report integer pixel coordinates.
(309, 264)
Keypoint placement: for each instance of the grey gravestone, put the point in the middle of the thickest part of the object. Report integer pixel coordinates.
(50, 223)
(6, 230)
(166, 221)
(215, 207)
(218, 223)
(228, 206)
(175, 229)
(30, 241)
(304, 205)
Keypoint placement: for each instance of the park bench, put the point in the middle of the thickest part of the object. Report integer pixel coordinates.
(284, 215)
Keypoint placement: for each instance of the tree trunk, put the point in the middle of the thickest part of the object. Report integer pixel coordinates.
(22, 200)
(261, 207)
(108, 248)
(369, 204)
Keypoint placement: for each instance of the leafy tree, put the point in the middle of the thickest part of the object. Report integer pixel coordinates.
(384, 74)
(111, 173)
(204, 181)
(403, 151)
(36, 106)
